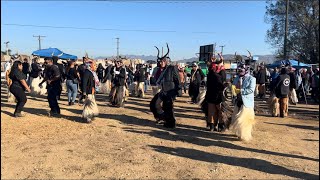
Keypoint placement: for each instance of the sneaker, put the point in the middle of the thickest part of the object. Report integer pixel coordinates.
(69, 103)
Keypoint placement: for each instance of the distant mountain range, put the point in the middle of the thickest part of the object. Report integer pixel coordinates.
(268, 59)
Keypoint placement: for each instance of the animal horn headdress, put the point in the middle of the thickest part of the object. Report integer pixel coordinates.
(163, 57)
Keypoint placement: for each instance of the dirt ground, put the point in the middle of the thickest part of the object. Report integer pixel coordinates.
(125, 143)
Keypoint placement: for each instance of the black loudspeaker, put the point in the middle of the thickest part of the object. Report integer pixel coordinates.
(205, 53)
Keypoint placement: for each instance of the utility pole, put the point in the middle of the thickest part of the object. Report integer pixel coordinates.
(7, 48)
(39, 39)
(222, 48)
(286, 32)
(117, 47)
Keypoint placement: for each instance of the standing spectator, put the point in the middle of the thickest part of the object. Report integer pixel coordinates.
(140, 77)
(89, 86)
(18, 87)
(261, 81)
(100, 71)
(305, 80)
(274, 76)
(130, 74)
(7, 70)
(197, 77)
(293, 85)
(148, 74)
(154, 77)
(107, 78)
(81, 69)
(282, 90)
(26, 70)
(53, 79)
(315, 85)
(183, 77)
(72, 82)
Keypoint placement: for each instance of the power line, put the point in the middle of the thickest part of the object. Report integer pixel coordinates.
(100, 29)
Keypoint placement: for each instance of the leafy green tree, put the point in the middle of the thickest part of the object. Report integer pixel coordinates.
(303, 28)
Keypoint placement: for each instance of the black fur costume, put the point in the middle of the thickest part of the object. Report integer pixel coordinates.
(170, 86)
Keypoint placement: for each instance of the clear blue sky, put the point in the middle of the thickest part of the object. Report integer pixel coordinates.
(239, 25)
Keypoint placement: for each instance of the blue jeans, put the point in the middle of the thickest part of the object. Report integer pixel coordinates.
(146, 84)
(72, 91)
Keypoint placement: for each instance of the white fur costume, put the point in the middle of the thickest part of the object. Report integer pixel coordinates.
(34, 86)
(105, 87)
(242, 122)
(90, 108)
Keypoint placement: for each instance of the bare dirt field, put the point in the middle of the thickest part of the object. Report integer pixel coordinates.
(125, 143)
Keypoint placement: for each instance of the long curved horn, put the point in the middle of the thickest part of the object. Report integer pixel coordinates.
(158, 52)
(167, 52)
(249, 54)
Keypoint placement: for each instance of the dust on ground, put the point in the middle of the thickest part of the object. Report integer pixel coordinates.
(126, 143)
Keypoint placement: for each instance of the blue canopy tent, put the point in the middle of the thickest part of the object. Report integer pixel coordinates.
(292, 62)
(54, 52)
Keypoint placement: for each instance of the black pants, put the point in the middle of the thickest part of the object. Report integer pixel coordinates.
(194, 90)
(315, 93)
(53, 94)
(167, 107)
(21, 97)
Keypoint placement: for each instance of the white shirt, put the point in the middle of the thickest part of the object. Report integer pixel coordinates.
(7, 66)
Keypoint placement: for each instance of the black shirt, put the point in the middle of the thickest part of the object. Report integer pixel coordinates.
(293, 80)
(140, 75)
(52, 72)
(119, 79)
(198, 76)
(214, 88)
(25, 68)
(107, 73)
(282, 86)
(88, 82)
(100, 71)
(71, 74)
(16, 76)
(261, 77)
(35, 70)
